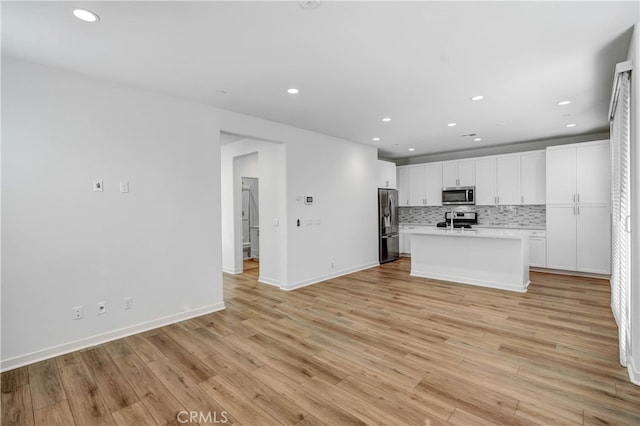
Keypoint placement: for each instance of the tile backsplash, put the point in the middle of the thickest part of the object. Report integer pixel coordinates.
(507, 216)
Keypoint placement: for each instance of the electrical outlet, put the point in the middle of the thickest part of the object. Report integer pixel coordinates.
(124, 186)
(127, 303)
(77, 312)
(102, 308)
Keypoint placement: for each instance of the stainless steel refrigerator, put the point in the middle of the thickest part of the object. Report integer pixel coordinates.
(388, 237)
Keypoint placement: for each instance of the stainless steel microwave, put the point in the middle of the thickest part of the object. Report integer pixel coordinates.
(458, 195)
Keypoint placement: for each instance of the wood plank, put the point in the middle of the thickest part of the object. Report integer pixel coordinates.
(14, 379)
(46, 388)
(58, 414)
(136, 414)
(185, 390)
(113, 385)
(187, 362)
(16, 407)
(85, 400)
(162, 405)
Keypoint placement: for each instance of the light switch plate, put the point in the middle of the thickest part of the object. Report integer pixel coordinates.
(124, 186)
(98, 186)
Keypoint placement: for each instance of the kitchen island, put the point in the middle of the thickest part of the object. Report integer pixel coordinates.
(484, 257)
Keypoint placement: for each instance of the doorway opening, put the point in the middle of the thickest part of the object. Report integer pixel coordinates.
(250, 217)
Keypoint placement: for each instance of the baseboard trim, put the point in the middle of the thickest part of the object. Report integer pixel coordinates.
(634, 371)
(270, 281)
(326, 277)
(30, 358)
(231, 271)
(574, 273)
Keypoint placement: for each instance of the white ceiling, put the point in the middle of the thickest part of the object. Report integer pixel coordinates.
(354, 62)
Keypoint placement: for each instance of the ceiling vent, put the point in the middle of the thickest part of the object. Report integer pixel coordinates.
(469, 135)
(309, 4)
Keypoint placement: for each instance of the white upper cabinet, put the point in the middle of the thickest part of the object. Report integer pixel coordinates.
(417, 186)
(498, 180)
(458, 173)
(420, 185)
(403, 186)
(579, 174)
(386, 174)
(433, 192)
(508, 180)
(533, 177)
(486, 181)
(593, 183)
(561, 175)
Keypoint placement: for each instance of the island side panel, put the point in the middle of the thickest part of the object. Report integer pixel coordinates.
(489, 261)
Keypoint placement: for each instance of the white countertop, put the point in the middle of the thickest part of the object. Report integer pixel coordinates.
(471, 233)
(414, 228)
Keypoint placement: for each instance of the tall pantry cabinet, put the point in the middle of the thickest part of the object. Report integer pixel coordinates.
(579, 207)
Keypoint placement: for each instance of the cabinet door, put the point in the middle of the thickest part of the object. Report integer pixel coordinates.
(537, 252)
(386, 174)
(533, 177)
(433, 176)
(593, 174)
(449, 174)
(486, 181)
(417, 186)
(594, 238)
(508, 180)
(403, 186)
(561, 237)
(561, 176)
(466, 173)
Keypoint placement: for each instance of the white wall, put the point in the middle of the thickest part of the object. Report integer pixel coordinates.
(342, 176)
(341, 224)
(634, 55)
(65, 245)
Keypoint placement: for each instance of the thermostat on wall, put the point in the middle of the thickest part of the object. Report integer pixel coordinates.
(308, 199)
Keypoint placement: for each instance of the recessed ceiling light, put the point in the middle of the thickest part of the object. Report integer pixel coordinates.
(477, 139)
(571, 125)
(477, 98)
(376, 139)
(293, 91)
(564, 103)
(451, 124)
(85, 15)
(386, 119)
(412, 149)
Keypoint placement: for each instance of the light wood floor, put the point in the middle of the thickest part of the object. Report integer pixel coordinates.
(375, 347)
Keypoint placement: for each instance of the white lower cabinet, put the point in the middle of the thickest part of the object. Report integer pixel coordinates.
(578, 238)
(537, 251)
(594, 239)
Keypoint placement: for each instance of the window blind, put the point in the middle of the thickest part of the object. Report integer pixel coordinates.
(620, 115)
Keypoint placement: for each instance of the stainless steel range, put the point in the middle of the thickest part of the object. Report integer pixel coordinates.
(460, 219)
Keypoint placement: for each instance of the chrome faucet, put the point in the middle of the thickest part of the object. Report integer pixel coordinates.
(452, 213)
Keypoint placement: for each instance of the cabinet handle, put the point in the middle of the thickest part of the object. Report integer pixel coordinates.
(574, 198)
(578, 197)
(522, 199)
(574, 210)
(498, 198)
(578, 209)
